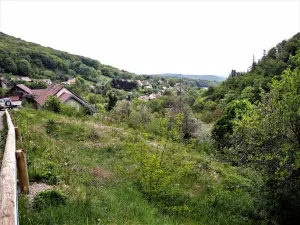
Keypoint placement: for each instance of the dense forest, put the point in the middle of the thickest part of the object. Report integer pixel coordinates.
(29, 59)
(227, 154)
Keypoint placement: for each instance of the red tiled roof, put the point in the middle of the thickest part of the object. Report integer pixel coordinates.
(24, 88)
(37, 92)
(64, 96)
(49, 91)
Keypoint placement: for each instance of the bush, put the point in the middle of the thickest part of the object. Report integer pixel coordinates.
(53, 104)
(49, 198)
(198, 105)
(210, 105)
(140, 117)
(51, 127)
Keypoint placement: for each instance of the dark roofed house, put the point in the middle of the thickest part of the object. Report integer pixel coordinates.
(19, 90)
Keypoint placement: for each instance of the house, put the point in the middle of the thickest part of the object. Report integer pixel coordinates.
(144, 98)
(66, 96)
(26, 79)
(20, 91)
(139, 83)
(145, 83)
(46, 81)
(71, 81)
(152, 96)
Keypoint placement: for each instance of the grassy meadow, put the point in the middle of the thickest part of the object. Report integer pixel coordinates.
(81, 157)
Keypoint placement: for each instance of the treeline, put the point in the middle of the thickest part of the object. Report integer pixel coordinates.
(23, 58)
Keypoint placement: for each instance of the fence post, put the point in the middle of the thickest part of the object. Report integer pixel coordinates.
(18, 136)
(22, 171)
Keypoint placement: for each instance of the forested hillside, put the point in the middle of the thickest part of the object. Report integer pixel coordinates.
(29, 59)
(260, 126)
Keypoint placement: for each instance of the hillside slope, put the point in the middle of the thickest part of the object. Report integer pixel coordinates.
(81, 157)
(249, 85)
(29, 59)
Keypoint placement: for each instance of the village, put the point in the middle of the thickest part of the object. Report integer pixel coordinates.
(18, 89)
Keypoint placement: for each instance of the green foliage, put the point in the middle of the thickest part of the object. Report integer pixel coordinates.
(210, 105)
(9, 65)
(112, 101)
(23, 67)
(268, 136)
(156, 167)
(51, 127)
(28, 59)
(71, 111)
(40, 175)
(123, 109)
(172, 82)
(53, 104)
(36, 85)
(223, 129)
(199, 104)
(140, 117)
(49, 198)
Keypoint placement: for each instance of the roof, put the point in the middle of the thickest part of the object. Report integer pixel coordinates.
(24, 79)
(49, 91)
(72, 81)
(37, 91)
(66, 96)
(24, 88)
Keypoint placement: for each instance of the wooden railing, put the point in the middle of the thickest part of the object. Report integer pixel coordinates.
(8, 179)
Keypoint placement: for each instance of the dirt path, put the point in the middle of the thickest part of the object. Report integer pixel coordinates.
(1, 122)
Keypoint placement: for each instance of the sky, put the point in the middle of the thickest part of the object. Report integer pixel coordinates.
(151, 37)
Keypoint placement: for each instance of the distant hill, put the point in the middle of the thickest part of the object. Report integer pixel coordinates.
(201, 77)
(24, 58)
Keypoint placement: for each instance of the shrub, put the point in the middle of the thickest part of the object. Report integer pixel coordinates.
(51, 127)
(53, 104)
(198, 105)
(210, 105)
(49, 198)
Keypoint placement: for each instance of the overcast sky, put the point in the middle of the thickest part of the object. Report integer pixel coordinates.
(149, 37)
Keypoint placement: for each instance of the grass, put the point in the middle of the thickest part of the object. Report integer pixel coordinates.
(79, 156)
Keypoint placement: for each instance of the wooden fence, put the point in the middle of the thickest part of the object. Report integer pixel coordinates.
(8, 179)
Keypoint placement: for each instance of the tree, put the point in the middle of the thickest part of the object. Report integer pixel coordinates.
(199, 104)
(223, 128)
(123, 109)
(171, 82)
(24, 67)
(9, 65)
(268, 136)
(112, 101)
(53, 104)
